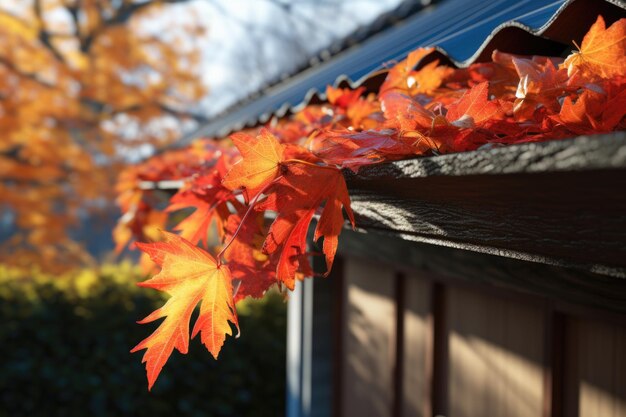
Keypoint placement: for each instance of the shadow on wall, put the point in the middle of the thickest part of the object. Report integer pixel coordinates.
(495, 352)
(368, 341)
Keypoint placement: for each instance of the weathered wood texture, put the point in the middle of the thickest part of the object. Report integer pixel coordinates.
(560, 202)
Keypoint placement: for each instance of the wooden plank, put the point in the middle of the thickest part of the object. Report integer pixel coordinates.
(415, 375)
(368, 340)
(496, 355)
(544, 202)
(440, 350)
(599, 362)
(399, 365)
(571, 374)
(554, 362)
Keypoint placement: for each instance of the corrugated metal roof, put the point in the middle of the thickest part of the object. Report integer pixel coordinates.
(464, 31)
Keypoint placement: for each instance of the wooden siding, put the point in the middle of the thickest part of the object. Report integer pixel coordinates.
(416, 347)
(495, 356)
(369, 334)
(414, 341)
(596, 384)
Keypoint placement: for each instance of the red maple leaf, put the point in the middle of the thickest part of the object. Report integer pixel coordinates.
(210, 199)
(474, 108)
(343, 97)
(249, 266)
(296, 198)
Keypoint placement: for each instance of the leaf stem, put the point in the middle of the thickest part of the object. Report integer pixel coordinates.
(243, 219)
(300, 161)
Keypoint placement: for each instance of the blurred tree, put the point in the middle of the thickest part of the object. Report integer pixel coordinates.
(83, 84)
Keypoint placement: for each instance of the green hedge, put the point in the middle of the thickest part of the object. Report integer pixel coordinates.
(64, 351)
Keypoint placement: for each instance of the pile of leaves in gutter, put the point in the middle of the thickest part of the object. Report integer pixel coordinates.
(224, 251)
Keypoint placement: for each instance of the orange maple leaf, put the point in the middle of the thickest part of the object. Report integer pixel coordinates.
(398, 78)
(540, 83)
(261, 163)
(343, 97)
(353, 150)
(602, 52)
(405, 113)
(594, 111)
(296, 197)
(428, 79)
(142, 222)
(209, 198)
(190, 275)
(474, 108)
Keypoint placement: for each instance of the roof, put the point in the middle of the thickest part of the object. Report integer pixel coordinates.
(464, 31)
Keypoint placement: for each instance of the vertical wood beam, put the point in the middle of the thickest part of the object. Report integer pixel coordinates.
(398, 370)
(554, 363)
(440, 358)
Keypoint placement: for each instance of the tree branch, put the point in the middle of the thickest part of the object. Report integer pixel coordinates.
(29, 75)
(181, 114)
(44, 35)
(123, 15)
(73, 11)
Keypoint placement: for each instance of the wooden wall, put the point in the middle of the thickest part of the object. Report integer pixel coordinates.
(411, 344)
(596, 361)
(368, 339)
(495, 356)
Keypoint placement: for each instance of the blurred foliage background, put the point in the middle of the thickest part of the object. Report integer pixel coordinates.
(64, 349)
(87, 87)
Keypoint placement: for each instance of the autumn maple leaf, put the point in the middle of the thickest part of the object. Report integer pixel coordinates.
(261, 163)
(428, 79)
(352, 110)
(399, 76)
(363, 114)
(474, 108)
(540, 83)
(195, 226)
(343, 97)
(191, 276)
(296, 198)
(143, 222)
(594, 111)
(353, 150)
(246, 261)
(209, 198)
(602, 52)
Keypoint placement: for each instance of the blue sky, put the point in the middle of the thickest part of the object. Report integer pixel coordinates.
(251, 42)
